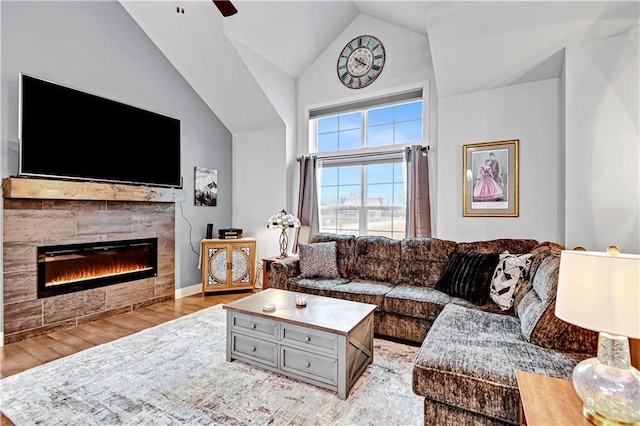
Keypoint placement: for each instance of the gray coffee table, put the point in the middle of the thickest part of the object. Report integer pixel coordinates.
(329, 343)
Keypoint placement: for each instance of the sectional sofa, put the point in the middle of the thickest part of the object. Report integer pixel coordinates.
(447, 296)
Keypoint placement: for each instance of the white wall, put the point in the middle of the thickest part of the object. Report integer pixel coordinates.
(602, 144)
(260, 158)
(258, 185)
(528, 112)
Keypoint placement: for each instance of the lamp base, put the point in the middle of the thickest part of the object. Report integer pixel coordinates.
(600, 420)
(608, 385)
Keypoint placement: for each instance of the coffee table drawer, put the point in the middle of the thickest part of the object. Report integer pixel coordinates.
(310, 338)
(255, 349)
(254, 326)
(321, 368)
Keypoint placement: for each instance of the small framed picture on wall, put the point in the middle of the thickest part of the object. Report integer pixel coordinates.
(490, 179)
(206, 187)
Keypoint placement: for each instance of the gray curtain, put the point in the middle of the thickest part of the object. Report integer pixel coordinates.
(307, 199)
(418, 204)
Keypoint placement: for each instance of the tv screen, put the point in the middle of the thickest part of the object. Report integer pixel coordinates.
(67, 133)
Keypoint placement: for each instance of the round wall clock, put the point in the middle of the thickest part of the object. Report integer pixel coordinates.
(361, 62)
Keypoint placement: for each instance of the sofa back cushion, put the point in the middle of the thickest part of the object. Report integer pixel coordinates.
(513, 246)
(536, 311)
(377, 259)
(345, 250)
(422, 260)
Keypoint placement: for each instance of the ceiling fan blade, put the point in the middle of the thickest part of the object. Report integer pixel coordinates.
(225, 7)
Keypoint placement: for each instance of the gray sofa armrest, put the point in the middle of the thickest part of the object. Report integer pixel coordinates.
(283, 269)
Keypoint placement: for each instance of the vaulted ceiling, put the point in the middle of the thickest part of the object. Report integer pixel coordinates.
(475, 45)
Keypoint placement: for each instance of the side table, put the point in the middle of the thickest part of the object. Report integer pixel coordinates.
(547, 401)
(266, 271)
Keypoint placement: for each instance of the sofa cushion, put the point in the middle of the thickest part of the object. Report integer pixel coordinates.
(377, 259)
(512, 245)
(415, 301)
(318, 260)
(536, 311)
(469, 360)
(363, 291)
(422, 260)
(511, 269)
(468, 275)
(317, 286)
(345, 245)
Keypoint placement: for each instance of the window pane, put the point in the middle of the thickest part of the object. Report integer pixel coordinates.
(380, 173)
(378, 221)
(328, 221)
(380, 116)
(350, 121)
(350, 139)
(349, 175)
(399, 222)
(410, 131)
(329, 196)
(348, 221)
(380, 135)
(379, 194)
(328, 142)
(329, 176)
(410, 111)
(349, 196)
(398, 194)
(328, 124)
(398, 172)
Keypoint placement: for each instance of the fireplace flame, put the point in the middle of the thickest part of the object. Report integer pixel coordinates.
(89, 272)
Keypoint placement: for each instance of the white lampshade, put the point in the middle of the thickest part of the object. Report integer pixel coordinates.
(600, 292)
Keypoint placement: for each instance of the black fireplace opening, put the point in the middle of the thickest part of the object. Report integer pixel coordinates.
(75, 267)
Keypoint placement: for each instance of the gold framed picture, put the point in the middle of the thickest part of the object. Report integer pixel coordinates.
(490, 179)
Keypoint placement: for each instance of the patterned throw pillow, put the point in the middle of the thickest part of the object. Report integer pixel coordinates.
(510, 270)
(318, 260)
(468, 275)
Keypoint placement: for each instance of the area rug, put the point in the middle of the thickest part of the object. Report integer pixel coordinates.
(176, 373)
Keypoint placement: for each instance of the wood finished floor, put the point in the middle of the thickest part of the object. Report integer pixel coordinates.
(20, 356)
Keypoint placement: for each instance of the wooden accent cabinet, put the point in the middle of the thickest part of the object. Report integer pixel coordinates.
(228, 264)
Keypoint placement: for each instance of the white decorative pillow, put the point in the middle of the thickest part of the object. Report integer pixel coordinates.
(318, 260)
(510, 270)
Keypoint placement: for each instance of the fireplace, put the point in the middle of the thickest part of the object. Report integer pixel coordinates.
(75, 267)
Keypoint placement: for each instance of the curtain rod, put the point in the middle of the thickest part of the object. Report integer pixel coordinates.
(363, 154)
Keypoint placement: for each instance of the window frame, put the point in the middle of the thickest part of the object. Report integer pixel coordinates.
(366, 154)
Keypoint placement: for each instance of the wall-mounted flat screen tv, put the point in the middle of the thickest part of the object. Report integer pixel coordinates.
(71, 134)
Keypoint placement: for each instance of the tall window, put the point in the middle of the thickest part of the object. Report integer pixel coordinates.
(361, 179)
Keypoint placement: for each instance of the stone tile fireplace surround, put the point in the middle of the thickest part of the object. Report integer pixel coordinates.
(43, 213)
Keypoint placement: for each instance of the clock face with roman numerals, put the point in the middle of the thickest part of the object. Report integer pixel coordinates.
(361, 62)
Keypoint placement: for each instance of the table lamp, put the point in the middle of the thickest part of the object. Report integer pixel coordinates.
(601, 292)
(283, 220)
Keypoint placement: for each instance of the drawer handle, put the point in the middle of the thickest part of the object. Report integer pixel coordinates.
(308, 364)
(253, 349)
(253, 326)
(307, 339)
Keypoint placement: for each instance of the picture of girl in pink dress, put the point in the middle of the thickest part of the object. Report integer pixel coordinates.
(486, 188)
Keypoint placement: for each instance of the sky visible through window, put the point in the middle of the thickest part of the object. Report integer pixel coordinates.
(391, 125)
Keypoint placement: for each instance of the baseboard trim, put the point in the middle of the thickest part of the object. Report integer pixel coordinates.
(188, 291)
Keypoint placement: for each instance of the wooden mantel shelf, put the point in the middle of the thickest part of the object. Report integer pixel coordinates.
(46, 189)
